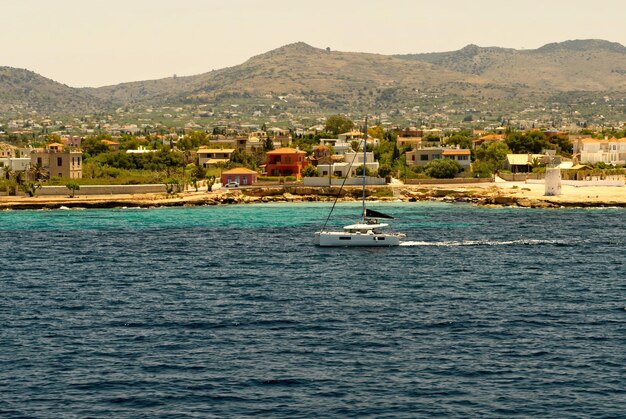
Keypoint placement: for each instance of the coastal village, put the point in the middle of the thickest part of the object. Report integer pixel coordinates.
(44, 158)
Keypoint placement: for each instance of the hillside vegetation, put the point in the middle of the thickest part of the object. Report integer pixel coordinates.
(330, 81)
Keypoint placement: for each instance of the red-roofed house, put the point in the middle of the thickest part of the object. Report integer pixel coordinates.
(461, 155)
(285, 161)
(241, 175)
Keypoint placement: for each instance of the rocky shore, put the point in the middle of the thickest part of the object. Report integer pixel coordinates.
(530, 196)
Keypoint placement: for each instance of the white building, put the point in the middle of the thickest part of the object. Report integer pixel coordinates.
(609, 150)
(16, 164)
(347, 168)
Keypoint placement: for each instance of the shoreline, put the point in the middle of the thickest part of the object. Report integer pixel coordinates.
(509, 194)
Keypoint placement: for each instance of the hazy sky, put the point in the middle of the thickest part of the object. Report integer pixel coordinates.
(101, 42)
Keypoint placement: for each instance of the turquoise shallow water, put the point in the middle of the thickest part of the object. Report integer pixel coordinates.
(230, 311)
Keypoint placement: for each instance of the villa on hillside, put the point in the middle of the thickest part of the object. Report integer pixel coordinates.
(489, 138)
(285, 162)
(112, 145)
(413, 142)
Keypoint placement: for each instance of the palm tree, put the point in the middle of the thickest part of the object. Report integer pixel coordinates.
(38, 173)
(8, 172)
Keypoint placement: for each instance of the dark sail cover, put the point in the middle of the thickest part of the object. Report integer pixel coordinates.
(376, 214)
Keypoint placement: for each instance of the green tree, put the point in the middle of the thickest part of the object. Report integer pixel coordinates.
(460, 140)
(337, 124)
(210, 181)
(533, 142)
(92, 146)
(493, 154)
(310, 171)
(38, 173)
(30, 188)
(73, 186)
(443, 169)
(384, 170)
(268, 144)
(482, 170)
(361, 169)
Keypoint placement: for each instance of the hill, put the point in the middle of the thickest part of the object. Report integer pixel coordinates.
(308, 79)
(320, 76)
(23, 91)
(579, 65)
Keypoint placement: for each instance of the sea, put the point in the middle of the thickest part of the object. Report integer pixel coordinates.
(231, 311)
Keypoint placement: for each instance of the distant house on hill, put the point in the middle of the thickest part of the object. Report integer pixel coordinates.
(114, 146)
(489, 138)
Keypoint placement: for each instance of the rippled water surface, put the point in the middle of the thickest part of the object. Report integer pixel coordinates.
(231, 311)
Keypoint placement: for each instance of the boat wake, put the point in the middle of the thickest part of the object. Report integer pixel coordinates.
(520, 242)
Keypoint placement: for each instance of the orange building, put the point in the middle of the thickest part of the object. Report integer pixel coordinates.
(241, 175)
(286, 162)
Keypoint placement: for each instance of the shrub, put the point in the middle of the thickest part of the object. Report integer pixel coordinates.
(310, 171)
(443, 169)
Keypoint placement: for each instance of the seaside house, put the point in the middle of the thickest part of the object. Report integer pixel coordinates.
(347, 168)
(592, 150)
(240, 175)
(59, 162)
(285, 161)
(460, 155)
(522, 163)
(423, 156)
(208, 156)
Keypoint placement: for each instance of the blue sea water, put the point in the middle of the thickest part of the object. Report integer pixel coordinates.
(230, 311)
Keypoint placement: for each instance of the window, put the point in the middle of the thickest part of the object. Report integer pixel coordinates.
(345, 238)
(413, 157)
(436, 156)
(424, 157)
(59, 161)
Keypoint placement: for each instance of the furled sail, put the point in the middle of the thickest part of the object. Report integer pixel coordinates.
(375, 214)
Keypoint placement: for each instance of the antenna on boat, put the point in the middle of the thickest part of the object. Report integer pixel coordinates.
(364, 168)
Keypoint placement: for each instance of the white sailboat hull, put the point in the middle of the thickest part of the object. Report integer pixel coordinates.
(350, 239)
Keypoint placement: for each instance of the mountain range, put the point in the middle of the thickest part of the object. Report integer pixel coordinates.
(325, 81)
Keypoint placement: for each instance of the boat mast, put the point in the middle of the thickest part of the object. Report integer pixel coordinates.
(364, 168)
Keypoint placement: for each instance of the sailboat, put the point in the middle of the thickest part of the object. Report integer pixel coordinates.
(367, 232)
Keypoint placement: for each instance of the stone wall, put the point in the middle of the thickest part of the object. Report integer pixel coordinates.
(455, 181)
(323, 181)
(102, 190)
